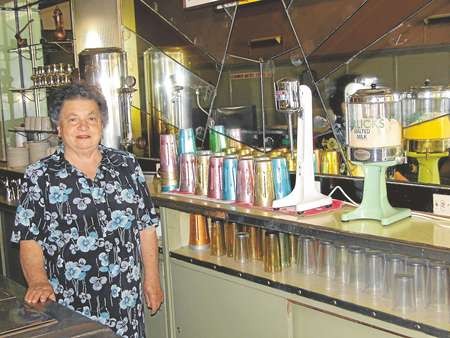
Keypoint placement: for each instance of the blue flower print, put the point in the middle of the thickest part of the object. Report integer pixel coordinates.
(122, 327)
(34, 229)
(118, 219)
(23, 216)
(104, 259)
(81, 203)
(128, 299)
(59, 194)
(114, 270)
(84, 297)
(97, 283)
(110, 188)
(62, 173)
(115, 291)
(35, 192)
(86, 243)
(86, 311)
(98, 195)
(108, 246)
(74, 233)
(69, 218)
(85, 188)
(127, 195)
(73, 271)
(15, 236)
(104, 317)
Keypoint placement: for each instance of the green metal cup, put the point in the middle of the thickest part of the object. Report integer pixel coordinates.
(217, 139)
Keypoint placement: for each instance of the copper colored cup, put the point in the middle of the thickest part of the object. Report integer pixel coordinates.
(198, 232)
(255, 242)
(272, 259)
(231, 229)
(217, 245)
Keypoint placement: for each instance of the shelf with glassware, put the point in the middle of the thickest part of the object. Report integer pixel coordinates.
(49, 77)
(361, 279)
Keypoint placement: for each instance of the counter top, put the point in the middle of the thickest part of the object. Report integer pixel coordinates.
(414, 232)
(50, 320)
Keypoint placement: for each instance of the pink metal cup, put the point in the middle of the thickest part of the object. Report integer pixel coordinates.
(245, 192)
(169, 165)
(215, 189)
(187, 173)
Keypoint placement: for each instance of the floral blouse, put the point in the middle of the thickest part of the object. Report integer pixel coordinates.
(89, 233)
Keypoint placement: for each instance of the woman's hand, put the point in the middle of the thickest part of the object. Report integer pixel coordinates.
(39, 292)
(154, 295)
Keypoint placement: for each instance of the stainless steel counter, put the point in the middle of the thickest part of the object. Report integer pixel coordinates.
(48, 320)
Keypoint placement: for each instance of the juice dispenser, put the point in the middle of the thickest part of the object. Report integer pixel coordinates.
(374, 141)
(426, 123)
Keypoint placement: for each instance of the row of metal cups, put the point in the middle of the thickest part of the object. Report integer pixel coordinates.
(246, 179)
(408, 284)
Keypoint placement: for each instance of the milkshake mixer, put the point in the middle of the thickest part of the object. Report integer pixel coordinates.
(299, 99)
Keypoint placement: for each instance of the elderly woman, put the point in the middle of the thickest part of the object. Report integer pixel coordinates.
(86, 223)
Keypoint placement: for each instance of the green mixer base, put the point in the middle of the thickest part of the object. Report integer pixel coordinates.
(375, 204)
(428, 166)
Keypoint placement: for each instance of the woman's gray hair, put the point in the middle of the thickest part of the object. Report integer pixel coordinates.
(73, 91)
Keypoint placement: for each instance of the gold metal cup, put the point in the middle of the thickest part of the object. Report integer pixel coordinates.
(245, 151)
(330, 163)
(255, 241)
(230, 151)
(202, 172)
(317, 161)
(198, 232)
(272, 259)
(291, 161)
(231, 229)
(217, 246)
(293, 243)
(264, 189)
(285, 250)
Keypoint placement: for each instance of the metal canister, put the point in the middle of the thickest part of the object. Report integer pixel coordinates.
(281, 181)
(202, 171)
(186, 141)
(230, 163)
(245, 185)
(330, 162)
(246, 151)
(169, 165)
(215, 177)
(264, 192)
(317, 161)
(187, 173)
(217, 138)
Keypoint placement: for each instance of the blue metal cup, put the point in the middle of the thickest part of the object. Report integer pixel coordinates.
(281, 182)
(230, 164)
(186, 141)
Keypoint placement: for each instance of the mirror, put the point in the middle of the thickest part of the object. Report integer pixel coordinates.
(258, 43)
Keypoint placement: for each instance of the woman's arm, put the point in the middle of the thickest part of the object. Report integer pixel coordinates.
(32, 261)
(149, 250)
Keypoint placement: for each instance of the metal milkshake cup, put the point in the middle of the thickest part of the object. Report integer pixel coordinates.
(186, 141)
(217, 139)
(264, 191)
(202, 172)
(187, 173)
(169, 164)
(281, 181)
(230, 163)
(235, 137)
(198, 232)
(245, 181)
(215, 180)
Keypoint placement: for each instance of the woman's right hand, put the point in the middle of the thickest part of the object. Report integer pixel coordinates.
(39, 292)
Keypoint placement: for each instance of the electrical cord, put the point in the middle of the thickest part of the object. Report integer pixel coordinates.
(417, 214)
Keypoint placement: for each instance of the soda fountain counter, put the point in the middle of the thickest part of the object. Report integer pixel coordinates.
(43, 320)
(210, 293)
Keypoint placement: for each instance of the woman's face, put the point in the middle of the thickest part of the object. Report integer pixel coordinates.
(80, 124)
